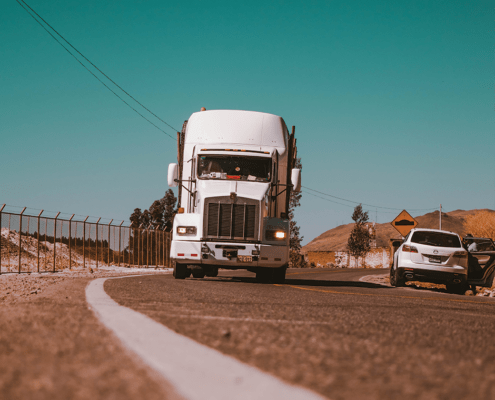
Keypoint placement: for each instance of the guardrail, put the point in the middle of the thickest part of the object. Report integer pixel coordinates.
(48, 243)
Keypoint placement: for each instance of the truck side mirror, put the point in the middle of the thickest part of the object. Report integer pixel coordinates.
(173, 174)
(296, 179)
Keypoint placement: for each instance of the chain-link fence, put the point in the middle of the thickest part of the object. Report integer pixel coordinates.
(45, 242)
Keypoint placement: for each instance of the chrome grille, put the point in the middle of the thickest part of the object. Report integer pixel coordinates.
(231, 220)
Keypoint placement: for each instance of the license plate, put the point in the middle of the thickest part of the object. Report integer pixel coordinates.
(435, 259)
(245, 258)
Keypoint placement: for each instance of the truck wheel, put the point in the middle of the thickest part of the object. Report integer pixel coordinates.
(263, 276)
(212, 272)
(198, 272)
(181, 271)
(278, 275)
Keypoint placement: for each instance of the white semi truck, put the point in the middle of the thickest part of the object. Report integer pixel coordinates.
(235, 173)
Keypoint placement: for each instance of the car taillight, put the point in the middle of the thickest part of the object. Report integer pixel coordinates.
(409, 249)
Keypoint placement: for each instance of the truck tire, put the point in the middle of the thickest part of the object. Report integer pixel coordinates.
(271, 275)
(212, 272)
(198, 272)
(263, 276)
(278, 275)
(181, 271)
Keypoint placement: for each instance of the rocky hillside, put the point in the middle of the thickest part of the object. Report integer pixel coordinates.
(336, 239)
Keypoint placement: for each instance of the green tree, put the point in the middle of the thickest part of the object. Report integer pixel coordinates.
(358, 243)
(169, 210)
(135, 218)
(160, 214)
(295, 258)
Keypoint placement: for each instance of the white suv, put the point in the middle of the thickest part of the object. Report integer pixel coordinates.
(431, 255)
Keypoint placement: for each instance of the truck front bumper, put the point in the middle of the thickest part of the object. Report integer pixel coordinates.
(229, 254)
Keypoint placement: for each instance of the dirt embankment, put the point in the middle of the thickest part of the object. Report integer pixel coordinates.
(53, 347)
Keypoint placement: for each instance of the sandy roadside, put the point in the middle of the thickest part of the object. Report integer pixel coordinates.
(53, 347)
(385, 281)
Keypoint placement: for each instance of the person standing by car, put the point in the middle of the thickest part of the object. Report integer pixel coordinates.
(474, 268)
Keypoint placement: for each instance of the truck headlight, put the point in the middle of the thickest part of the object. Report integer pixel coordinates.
(275, 235)
(186, 230)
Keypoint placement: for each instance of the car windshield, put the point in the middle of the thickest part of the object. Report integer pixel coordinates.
(234, 167)
(438, 239)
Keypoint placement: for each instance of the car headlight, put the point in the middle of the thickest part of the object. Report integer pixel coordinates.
(275, 235)
(186, 230)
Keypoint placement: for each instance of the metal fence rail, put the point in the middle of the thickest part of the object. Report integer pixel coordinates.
(47, 243)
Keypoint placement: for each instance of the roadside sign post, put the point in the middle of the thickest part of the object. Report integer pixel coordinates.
(403, 223)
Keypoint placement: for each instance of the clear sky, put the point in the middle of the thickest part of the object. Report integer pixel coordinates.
(393, 102)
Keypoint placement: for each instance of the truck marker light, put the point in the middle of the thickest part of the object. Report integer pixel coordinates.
(180, 210)
(180, 254)
(194, 255)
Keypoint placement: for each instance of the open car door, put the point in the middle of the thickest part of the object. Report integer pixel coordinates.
(485, 276)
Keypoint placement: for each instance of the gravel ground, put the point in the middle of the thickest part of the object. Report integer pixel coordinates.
(53, 347)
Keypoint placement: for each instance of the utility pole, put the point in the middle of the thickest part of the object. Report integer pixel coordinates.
(440, 217)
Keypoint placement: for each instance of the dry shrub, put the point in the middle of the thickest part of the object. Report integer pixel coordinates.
(481, 224)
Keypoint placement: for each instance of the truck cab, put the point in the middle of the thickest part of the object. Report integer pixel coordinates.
(235, 175)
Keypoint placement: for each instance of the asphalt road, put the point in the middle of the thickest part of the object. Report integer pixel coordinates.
(329, 332)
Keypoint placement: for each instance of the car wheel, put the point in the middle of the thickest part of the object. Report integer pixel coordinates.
(457, 288)
(392, 275)
(399, 281)
(181, 271)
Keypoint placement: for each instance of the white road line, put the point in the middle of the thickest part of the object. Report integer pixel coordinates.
(196, 371)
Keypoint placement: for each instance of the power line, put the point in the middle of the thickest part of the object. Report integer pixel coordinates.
(346, 205)
(66, 49)
(369, 205)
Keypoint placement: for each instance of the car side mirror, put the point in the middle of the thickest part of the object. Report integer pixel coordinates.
(173, 174)
(296, 179)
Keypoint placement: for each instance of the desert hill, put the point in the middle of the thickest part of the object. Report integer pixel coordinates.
(336, 239)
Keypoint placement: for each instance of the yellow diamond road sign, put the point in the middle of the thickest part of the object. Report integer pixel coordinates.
(404, 223)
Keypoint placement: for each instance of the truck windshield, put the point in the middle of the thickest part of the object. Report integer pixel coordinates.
(234, 167)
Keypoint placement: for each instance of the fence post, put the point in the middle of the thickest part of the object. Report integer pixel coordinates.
(108, 253)
(39, 227)
(139, 245)
(84, 242)
(20, 235)
(163, 245)
(1, 209)
(70, 248)
(147, 246)
(55, 241)
(97, 242)
(120, 239)
(130, 246)
(167, 249)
